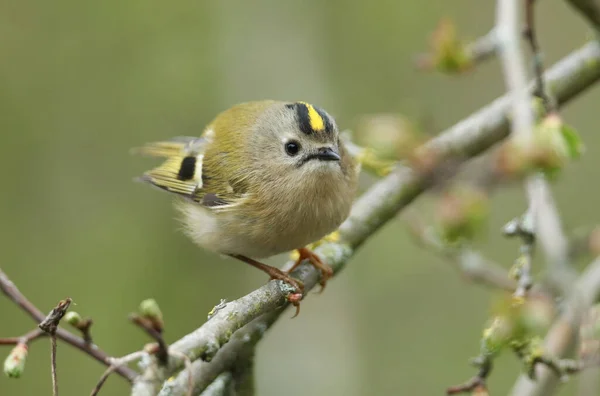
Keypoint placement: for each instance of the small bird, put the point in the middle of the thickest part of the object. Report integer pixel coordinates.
(264, 178)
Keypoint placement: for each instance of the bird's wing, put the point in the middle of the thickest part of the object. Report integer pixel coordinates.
(182, 173)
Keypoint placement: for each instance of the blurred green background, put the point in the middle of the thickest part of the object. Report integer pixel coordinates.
(82, 82)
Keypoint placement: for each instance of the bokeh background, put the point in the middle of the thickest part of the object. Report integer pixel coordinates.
(82, 82)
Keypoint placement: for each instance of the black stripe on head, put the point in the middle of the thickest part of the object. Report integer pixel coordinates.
(187, 169)
(319, 123)
(303, 118)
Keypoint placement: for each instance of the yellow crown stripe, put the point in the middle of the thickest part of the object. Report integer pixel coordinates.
(317, 123)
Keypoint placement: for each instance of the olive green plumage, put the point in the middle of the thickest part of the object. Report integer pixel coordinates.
(265, 177)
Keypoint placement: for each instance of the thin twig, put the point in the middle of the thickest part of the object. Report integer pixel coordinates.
(116, 363)
(522, 227)
(24, 339)
(102, 380)
(12, 292)
(475, 383)
(49, 325)
(53, 364)
(85, 327)
(531, 36)
(162, 352)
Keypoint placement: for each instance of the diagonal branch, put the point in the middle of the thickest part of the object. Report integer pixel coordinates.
(372, 210)
(235, 352)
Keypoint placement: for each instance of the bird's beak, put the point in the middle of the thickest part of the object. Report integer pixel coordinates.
(328, 154)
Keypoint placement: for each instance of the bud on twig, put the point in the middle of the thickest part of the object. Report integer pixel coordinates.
(74, 319)
(497, 335)
(554, 143)
(447, 53)
(14, 365)
(150, 310)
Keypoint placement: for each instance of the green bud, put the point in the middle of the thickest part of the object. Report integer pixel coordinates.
(149, 309)
(73, 318)
(496, 336)
(508, 323)
(449, 52)
(14, 365)
(553, 145)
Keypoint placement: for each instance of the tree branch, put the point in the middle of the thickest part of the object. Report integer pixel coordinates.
(238, 349)
(372, 210)
(221, 386)
(483, 48)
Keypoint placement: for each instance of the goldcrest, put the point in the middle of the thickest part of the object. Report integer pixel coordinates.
(264, 178)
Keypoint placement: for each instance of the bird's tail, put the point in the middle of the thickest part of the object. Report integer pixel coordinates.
(181, 172)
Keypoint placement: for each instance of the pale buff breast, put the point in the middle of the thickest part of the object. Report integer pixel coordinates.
(277, 221)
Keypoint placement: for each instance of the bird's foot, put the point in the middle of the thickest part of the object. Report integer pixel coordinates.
(307, 254)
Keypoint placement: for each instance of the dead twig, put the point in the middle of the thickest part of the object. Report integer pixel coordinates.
(49, 325)
(475, 384)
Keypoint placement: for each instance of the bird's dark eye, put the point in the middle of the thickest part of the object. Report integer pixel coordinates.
(292, 148)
